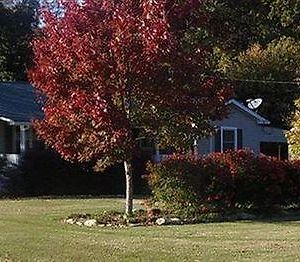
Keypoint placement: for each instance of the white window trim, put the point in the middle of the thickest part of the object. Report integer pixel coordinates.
(235, 136)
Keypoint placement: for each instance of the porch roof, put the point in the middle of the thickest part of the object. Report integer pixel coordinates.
(18, 103)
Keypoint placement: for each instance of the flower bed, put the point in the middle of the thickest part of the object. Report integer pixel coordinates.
(151, 217)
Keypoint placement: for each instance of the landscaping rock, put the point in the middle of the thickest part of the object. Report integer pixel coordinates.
(175, 221)
(70, 221)
(90, 222)
(134, 225)
(80, 221)
(161, 221)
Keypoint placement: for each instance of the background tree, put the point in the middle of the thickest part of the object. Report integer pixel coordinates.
(17, 22)
(109, 67)
(274, 71)
(294, 133)
(235, 25)
(255, 41)
(287, 15)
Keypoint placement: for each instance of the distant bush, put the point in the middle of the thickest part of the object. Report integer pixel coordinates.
(11, 180)
(223, 181)
(3, 177)
(45, 173)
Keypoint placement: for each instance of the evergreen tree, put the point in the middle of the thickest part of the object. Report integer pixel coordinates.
(17, 23)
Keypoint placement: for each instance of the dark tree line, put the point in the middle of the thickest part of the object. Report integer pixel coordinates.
(17, 23)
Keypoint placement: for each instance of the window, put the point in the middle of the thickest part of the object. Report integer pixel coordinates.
(12, 136)
(228, 138)
(9, 139)
(275, 149)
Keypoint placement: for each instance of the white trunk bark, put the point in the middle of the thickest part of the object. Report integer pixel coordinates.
(129, 188)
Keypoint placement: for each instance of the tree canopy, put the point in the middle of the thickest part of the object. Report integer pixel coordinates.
(107, 67)
(17, 23)
(294, 133)
(275, 69)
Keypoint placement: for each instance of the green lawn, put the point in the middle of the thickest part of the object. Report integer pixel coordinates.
(30, 230)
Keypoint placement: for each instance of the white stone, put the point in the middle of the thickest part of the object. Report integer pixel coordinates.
(90, 223)
(160, 221)
(70, 221)
(79, 223)
(134, 225)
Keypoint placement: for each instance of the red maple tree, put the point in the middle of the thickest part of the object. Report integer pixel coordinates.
(106, 67)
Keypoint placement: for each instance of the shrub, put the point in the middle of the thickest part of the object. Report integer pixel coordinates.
(171, 183)
(11, 180)
(223, 181)
(3, 178)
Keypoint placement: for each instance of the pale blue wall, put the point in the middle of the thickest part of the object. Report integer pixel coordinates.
(253, 133)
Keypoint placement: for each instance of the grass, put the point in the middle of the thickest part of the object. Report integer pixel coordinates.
(30, 230)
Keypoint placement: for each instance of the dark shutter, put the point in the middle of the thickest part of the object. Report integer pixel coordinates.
(8, 139)
(218, 141)
(239, 138)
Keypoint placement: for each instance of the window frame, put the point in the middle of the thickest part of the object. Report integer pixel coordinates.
(228, 128)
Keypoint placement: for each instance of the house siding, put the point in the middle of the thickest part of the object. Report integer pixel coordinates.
(253, 133)
(205, 146)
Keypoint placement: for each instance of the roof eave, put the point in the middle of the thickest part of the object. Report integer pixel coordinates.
(5, 119)
(260, 120)
(14, 123)
(22, 123)
(263, 122)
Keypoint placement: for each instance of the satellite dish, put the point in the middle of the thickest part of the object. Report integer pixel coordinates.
(254, 103)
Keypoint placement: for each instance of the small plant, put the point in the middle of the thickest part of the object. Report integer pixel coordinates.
(115, 218)
(111, 218)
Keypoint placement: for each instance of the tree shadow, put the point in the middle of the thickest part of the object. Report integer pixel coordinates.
(282, 217)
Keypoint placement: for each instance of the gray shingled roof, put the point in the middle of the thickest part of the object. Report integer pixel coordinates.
(18, 102)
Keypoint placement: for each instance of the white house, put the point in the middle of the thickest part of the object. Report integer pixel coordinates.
(18, 107)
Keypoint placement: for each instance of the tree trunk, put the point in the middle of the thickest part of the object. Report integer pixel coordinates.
(129, 188)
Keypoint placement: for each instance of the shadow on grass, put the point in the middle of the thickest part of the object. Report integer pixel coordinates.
(286, 215)
(136, 197)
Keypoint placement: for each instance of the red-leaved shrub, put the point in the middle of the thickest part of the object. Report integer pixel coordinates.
(188, 185)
